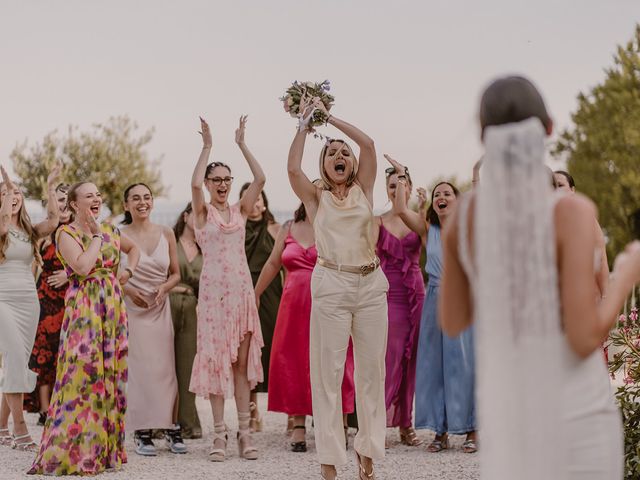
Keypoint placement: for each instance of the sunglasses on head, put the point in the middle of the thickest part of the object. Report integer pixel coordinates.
(391, 170)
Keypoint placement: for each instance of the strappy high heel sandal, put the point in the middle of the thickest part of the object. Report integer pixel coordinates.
(255, 424)
(24, 446)
(5, 437)
(439, 444)
(299, 447)
(245, 449)
(362, 473)
(410, 438)
(325, 478)
(219, 454)
(470, 446)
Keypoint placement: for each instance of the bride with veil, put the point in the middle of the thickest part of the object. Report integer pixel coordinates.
(520, 262)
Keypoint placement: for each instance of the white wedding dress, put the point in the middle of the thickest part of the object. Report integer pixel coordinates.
(543, 412)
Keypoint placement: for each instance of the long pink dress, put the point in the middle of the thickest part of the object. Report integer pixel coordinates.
(399, 259)
(226, 307)
(152, 387)
(289, 381)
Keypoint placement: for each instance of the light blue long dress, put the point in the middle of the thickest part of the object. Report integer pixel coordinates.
(445, 375)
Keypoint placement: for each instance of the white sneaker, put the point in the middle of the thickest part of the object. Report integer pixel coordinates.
(144, 443)
(174, 440)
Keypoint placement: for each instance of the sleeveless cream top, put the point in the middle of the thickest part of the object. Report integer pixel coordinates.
(344, 228)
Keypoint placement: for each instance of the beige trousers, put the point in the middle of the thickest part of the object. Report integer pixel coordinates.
(348, 305)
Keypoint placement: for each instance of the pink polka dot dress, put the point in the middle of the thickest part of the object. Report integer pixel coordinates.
(226, 307)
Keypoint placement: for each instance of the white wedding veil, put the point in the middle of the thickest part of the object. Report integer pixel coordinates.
(519, 341)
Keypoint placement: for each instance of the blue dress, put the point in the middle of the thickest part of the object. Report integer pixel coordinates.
(445, 375)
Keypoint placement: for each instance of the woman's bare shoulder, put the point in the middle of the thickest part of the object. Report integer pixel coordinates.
(572, 207)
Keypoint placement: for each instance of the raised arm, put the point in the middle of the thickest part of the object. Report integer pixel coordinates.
(253, 191)
(411, 219)
(422, 204)
(274, 263)
(197, 179)
(49, 224)
(7, 202)
(304, 189)
(367, 162)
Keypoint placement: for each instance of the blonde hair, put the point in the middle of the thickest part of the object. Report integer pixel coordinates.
(72, 196)
(328, 184)
(24, 222)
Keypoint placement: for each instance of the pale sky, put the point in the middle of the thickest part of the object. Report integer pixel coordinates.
(408, 73)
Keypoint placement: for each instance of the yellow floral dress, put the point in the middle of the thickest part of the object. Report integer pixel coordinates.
(84, 431)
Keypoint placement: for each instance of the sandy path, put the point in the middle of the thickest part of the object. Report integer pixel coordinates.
(275, 462)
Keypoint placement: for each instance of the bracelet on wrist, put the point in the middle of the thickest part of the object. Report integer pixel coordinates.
(96, 235)
(129, 271)
(329, 117)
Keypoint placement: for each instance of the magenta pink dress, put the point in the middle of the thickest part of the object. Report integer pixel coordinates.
(289, 382)
(400, 259)
(226, 307)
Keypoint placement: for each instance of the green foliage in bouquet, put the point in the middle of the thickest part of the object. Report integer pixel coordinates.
(308, 90)
(625, 339)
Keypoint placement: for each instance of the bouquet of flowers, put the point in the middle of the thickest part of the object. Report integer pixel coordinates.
(301, 94)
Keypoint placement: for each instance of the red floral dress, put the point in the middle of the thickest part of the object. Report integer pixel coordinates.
(45, 349)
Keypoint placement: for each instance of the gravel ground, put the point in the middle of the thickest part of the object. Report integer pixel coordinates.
(275, 462)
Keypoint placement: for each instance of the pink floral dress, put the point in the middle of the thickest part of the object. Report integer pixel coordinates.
(226, 307)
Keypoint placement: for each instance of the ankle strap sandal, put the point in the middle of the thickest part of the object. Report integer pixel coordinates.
(219, 454)
(21, 443)
(245, 449)
(299, 447)
(5, 436)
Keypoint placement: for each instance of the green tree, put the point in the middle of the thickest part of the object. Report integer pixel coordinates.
(602, 148)
(112, 155)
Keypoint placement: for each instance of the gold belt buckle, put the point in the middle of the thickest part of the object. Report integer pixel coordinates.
(367, 269)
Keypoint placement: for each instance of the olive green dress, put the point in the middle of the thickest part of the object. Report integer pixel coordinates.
(185, 323)
(258, 245)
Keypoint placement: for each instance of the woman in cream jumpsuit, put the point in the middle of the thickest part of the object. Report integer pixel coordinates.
(348, 292)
